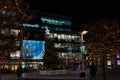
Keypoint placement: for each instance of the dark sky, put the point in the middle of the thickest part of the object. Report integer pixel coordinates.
(81, 11)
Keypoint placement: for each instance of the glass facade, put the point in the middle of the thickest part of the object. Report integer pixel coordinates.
(65, 41)
(56, 23)
(31, 37)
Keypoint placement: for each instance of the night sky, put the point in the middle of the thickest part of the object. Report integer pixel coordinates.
(81, 11)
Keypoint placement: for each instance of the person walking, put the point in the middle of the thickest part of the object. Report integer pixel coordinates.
(93, 70)
(19, 71)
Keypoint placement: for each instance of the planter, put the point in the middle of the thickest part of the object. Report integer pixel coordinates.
(52, 72)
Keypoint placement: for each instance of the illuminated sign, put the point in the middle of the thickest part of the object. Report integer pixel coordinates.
(30, 25)
(55, 21)
(33, 49)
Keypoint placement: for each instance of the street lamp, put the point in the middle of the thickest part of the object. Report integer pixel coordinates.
(83, 33)
(82, 40)
(82, 47)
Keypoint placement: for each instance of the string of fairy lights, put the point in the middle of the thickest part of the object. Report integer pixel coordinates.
(13, 10)
(11, 14)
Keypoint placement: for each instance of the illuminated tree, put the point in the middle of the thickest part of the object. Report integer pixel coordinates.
(12, 16)
(50, 58)
(102, 40)
(102, 36)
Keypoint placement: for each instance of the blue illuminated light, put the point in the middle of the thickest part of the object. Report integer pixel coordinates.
(33, 49)
(56, 21)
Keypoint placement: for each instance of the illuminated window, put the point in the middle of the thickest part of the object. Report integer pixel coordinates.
(118, 55)
(62, 36)
(109, 62)
(57, 45)
(17, 43)
(15, 55)
(15, 32)
(118, 62)
(30, 25)
(59, 36)
(56, 21)
(55, 34)
(51, 35)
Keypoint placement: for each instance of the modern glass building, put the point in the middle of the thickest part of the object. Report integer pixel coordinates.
(59, 30)
(29, 40)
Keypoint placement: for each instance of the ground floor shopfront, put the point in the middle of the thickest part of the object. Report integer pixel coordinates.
(12, 65)
(109, 60)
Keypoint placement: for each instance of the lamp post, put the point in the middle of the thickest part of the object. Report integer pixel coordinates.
(82, 47)
(82, 40)
(83, 33)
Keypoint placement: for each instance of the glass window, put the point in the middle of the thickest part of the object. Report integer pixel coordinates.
(55, 35)
(62, 36)
(15, 32)
(51, 35)
(56, 21)
(59, 36)
(17, 43)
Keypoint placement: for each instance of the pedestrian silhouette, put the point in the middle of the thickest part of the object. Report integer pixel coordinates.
(19, 71)
(93, 71)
